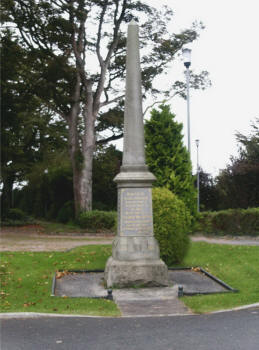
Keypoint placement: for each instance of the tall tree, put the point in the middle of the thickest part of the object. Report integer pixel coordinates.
(238, 184)
(208, 192)
(78, 55)
(249, 145)
(27, 132)
(106, 166)
(167, 157)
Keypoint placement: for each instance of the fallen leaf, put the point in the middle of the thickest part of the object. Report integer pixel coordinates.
(196, 269)
(60, 274)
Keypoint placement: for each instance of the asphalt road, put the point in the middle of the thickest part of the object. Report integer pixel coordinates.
(236, 330)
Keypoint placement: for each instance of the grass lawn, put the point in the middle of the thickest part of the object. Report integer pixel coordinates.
(238, 266)
(27, 278)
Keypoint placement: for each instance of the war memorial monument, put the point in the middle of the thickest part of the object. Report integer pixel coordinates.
(135, 259)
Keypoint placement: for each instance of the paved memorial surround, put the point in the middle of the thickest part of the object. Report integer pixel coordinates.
(135, 254)
(155, 301)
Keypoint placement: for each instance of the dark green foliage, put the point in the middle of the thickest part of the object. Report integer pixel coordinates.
(172, 222)
(48, 189)
(16, 214)
(66, 213)
(105, 167)
(249, 149)
(50, 185)
(231, 221)
(16, 217)
(97, 220)
(167, 157)
(238, 184)
(208, 192)
(29, 136)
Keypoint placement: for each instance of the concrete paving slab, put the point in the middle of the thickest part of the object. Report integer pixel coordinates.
(153, 308)
(140, 301)
(149, 294)
(88, 285)
(195, 282)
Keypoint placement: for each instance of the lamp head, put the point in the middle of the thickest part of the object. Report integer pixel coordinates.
(186, 57)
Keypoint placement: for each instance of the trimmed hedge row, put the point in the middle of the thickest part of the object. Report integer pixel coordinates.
(97, 220)
(16, 217)
(232, 221)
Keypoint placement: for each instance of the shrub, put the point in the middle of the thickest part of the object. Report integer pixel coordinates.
(231, 221)
(98, 220)
(66, 213)
(16, 217)
(16, 214)
(172, 223)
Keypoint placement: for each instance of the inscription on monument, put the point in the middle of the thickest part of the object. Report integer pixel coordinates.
(136, 212)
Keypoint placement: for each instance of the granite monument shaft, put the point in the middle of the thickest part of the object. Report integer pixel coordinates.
(135, 256)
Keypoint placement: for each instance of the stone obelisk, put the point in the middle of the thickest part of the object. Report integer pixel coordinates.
(135, 256)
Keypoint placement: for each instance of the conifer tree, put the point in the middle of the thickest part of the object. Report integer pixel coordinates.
(167, 157)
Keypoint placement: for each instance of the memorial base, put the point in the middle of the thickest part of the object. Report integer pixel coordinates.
(140, 273)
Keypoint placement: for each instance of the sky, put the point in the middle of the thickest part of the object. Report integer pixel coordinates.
(228, 48)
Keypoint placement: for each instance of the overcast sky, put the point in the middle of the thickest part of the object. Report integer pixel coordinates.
(229, 49)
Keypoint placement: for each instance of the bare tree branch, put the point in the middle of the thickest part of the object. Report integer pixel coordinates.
(99, 34)
(108, 139)
(112, 47)
(106, 103)
(160, 102)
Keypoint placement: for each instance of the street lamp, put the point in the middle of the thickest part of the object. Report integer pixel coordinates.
(187, 62)
(198, 176)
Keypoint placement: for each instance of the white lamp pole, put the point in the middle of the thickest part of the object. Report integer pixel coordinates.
(187, 62)
(198, 176)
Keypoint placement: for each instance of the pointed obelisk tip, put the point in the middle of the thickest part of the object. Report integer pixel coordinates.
(133, 23)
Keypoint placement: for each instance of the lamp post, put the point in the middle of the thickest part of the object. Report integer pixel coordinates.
(187, 62)
(198, 176)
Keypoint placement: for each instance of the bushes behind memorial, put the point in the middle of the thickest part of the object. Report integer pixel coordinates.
(229, 222)
(98, 220)
(172, 223)
(16, 217)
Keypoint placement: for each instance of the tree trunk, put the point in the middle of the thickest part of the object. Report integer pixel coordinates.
(75, 155)
(82, 158)
(74, 147)
(6, 197)
(88, 148)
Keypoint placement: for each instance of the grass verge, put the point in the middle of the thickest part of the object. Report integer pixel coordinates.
(27, 278)
(27, 281)
(238, 266)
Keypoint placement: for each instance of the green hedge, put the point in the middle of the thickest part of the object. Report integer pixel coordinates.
(16, 217)
(172, 223)
(97, 220)
(229, 222)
